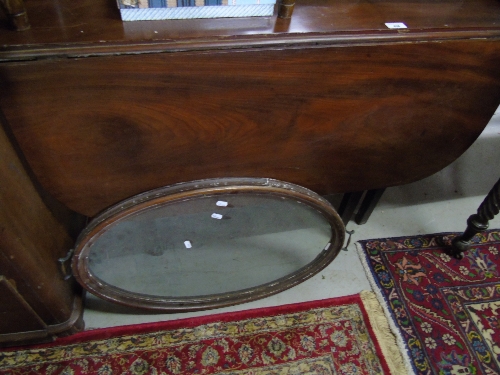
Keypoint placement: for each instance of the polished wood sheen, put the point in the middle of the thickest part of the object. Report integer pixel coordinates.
(34, 294)
(330, 99)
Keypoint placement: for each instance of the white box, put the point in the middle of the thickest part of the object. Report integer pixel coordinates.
(144, 10)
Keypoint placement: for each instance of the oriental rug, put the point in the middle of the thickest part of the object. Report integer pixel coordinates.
(446, 312)
(344, 336)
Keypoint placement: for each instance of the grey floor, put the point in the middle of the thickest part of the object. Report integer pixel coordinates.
(439, 203)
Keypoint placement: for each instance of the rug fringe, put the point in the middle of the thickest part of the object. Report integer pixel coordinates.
(385, 337)
(406, 367)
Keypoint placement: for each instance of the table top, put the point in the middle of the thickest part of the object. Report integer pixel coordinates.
(87, 27)
(354, 115)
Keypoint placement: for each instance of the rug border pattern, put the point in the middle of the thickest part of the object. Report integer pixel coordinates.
(381, 299)
(314, 310)
(427, 241)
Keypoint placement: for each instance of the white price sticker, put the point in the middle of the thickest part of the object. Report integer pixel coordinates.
(396, 25)
(222, 204)
(188, 244)
(217, 216)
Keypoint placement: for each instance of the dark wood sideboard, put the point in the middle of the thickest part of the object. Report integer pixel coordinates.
(97, 110)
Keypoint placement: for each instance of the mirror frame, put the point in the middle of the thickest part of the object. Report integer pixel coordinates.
(184, 191)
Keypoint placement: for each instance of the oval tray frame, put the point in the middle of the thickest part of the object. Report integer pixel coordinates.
(189, 190)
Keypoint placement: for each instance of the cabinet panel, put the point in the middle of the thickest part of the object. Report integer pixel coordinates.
(15, 313)
(31, 241)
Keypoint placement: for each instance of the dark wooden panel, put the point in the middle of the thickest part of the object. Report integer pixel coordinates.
(16, 315)
(31, 241)
(70, 23)
(335, 119)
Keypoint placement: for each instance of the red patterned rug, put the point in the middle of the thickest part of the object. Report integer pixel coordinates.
(341, 336)
(445, 311)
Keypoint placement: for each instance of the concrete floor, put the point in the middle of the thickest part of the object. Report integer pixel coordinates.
(440, 203)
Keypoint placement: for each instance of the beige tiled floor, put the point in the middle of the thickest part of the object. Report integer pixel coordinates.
(439, 203)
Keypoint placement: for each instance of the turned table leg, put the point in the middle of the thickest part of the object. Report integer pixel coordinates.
(285, 8)
(476, 223)
(16, 14)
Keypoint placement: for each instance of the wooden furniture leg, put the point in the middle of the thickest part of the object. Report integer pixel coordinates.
(368, 205)
(16, 13)
(348, 204)
(285, 8)
(476, 223)
(350, 201)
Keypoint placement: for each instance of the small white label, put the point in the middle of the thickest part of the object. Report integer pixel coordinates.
(217, 216)
(328, 246)
(396, 25)
(188, 244)
(221, 204)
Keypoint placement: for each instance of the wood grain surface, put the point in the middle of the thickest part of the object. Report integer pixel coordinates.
(70, 25)
(31, 241)
(333, 119)
(330, 99)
